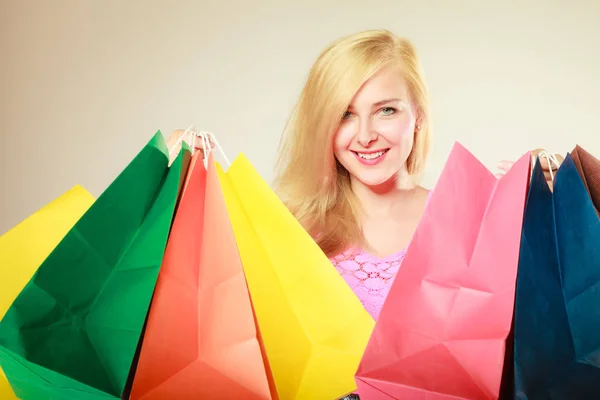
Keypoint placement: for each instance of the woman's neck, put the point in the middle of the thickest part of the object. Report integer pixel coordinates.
(389, 215)
(382, 200)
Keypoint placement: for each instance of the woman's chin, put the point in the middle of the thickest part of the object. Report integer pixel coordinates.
(377, 181)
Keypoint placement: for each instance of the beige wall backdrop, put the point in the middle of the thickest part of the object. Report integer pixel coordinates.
(85, 84)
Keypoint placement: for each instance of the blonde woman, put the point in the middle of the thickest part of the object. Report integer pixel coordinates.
(352, 154)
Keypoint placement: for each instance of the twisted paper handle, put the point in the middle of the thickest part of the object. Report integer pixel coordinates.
(206, 138)
(189, 131)
(551, 158)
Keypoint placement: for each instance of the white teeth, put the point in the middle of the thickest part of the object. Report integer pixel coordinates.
(370, 156)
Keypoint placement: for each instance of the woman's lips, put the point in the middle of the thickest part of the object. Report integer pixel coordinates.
(370, 157)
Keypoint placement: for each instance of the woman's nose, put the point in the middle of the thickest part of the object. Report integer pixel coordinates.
(366, 135)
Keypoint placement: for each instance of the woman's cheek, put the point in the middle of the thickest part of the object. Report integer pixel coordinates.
(343, 136)
(396, 129)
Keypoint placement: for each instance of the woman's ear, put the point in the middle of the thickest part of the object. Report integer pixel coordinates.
(418, 118)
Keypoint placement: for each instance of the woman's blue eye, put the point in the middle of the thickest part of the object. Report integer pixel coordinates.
(388, 111)
(347, 115)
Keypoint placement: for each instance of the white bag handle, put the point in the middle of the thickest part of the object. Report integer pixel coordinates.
(206, 138)
(189, 131)
(218, 146)
(551, 158)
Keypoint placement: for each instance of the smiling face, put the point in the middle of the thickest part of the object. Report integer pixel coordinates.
(376, 134)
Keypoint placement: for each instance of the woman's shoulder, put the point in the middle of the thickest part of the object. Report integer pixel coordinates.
(423, 192)
(423, 195)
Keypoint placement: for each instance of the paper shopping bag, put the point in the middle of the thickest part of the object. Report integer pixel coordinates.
(442, 329)
(557, 318)
(588, 167)
(73, 330)
(201, 339)
(313, 326)
(26, 246)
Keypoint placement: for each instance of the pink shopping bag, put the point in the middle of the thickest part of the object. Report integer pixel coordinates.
(441, 333)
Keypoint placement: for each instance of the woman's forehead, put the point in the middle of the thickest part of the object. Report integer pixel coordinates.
(387, 84)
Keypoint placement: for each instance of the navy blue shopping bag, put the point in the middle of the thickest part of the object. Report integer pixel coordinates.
(557, 308)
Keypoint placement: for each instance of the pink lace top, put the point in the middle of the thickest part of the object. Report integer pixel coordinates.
(369, 277)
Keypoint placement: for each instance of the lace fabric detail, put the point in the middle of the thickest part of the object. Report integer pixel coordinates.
(369, 277)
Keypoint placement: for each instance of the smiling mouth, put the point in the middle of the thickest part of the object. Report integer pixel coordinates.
(371, 156)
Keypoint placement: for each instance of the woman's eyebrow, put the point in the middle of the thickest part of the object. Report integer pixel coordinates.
(382, 102)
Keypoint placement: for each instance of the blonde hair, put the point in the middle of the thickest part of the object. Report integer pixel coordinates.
(310, 181)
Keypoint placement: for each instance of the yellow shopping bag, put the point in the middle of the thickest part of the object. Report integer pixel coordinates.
(314, 328)
(26, 246)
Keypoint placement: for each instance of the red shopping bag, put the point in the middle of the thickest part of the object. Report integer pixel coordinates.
(201, 338)
(442, 330)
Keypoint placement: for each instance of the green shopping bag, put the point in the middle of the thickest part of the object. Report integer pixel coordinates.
(73, 331)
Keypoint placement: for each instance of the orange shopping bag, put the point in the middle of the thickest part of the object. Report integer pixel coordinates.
(201, 339)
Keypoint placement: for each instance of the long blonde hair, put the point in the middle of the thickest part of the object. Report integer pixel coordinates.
(310, 181)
